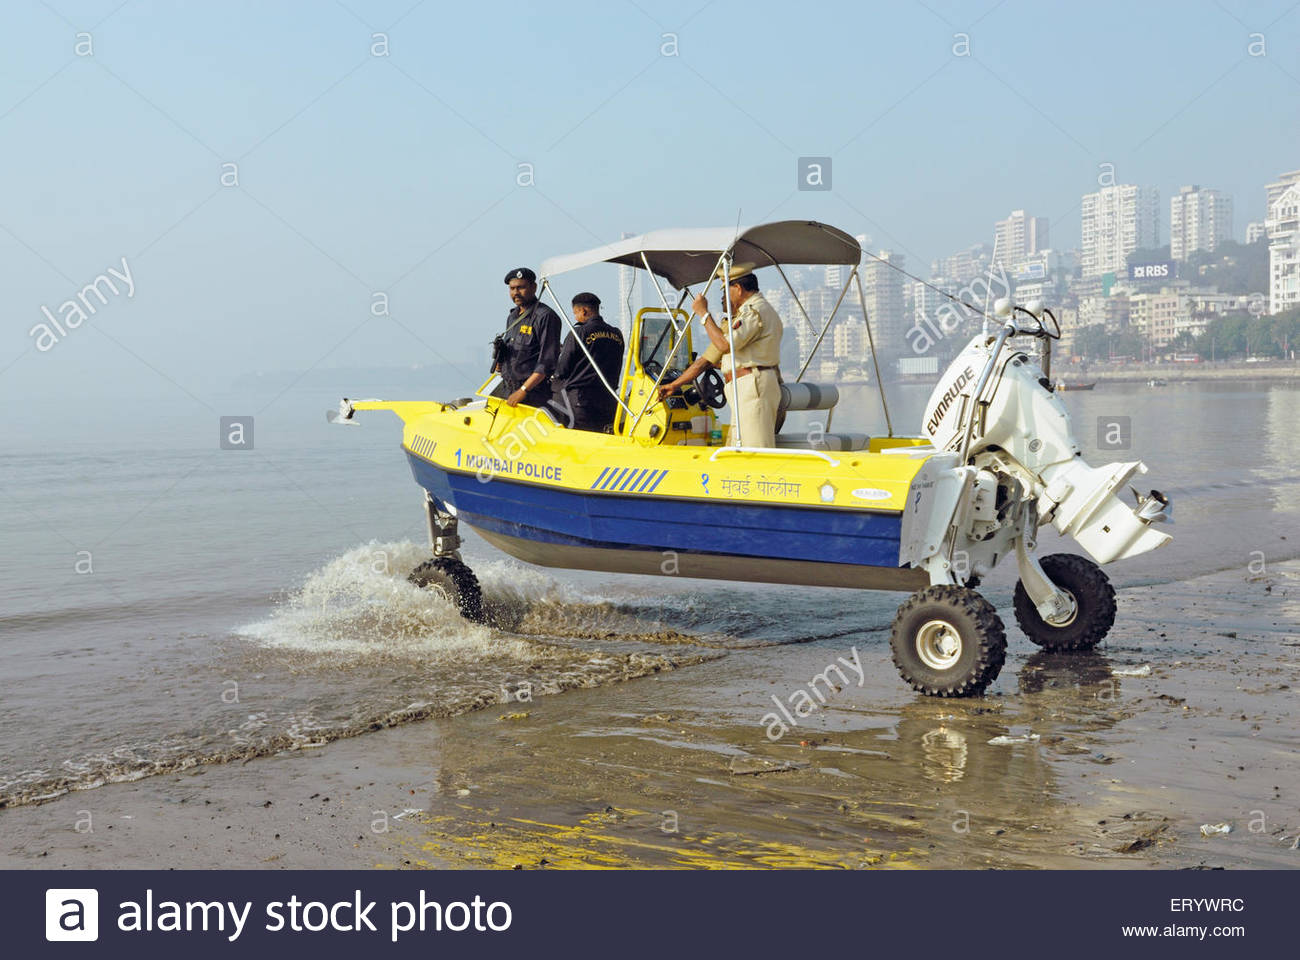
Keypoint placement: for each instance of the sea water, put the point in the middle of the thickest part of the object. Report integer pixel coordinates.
(166, 603)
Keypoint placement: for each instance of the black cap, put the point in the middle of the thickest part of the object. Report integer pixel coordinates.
(587, 300)
(521, 273)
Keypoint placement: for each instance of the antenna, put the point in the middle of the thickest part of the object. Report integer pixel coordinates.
(993, 260)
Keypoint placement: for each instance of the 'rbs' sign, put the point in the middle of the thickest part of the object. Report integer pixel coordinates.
(1164, 270)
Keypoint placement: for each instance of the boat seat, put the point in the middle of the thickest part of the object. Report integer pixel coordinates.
(808, 396)
(839, 442)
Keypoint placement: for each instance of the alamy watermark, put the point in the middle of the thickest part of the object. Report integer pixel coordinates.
(805, 701)
(516, 442)
(951, 314)
(80, 307)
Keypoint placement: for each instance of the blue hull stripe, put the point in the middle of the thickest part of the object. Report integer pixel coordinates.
(650, 476)
(659, 480)
(601, 477)
(630, 522)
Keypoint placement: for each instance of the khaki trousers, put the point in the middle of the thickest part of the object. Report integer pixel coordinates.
(754, 400)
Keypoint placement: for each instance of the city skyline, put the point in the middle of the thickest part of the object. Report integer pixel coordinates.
(1119, 295)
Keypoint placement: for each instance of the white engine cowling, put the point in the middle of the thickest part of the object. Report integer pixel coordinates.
(1022, 428)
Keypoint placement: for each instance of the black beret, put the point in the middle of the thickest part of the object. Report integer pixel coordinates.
(521, 273)
(586, 300)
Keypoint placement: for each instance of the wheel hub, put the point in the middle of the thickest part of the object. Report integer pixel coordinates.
(1067, 618)
(938, 644)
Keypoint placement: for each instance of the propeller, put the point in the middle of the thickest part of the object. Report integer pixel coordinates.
(1154, 508)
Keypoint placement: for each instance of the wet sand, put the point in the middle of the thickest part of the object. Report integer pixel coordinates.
(1086, 768)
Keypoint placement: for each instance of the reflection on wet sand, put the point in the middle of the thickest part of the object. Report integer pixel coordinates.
(1086, 759)
(921, 787)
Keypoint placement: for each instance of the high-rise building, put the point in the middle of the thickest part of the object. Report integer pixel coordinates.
(1017, 237)
(1155, 315)
(850, 338)
(1199, 219)
(1112, 311)
(818, 301)
(926, 300)
(1116, 221)
(1282, 221)
(964, 266)
(1275, 189)
(883, 286)
(836, 274)
(1255, 231)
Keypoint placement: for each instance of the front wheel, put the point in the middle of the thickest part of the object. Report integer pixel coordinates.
(948, 641)
(454, 580)
(1094, 605)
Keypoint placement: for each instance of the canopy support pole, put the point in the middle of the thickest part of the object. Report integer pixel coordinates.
(680, 339)
(731, 349)
(818, 344)
(546, 286)
(875, 363)
(797, 302)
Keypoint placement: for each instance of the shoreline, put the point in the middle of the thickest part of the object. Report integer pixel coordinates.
(1183, 372)
(1066, 764)
(1169, 372)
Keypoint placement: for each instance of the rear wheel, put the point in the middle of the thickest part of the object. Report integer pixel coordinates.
(1094, 605)
(948, 641)
(454, 580)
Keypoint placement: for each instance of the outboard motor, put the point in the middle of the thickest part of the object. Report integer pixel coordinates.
(998, 410)
(1007, 463)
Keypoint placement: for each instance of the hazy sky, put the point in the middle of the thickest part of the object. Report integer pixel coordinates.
(361, 173)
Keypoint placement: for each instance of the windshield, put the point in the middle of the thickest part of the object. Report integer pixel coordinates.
(657, 340)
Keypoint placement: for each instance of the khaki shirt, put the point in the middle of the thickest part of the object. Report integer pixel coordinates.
(756, 341)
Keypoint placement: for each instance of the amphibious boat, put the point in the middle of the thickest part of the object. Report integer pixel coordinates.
(675, 491)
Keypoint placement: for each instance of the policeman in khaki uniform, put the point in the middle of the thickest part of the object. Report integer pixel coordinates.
(753, 381)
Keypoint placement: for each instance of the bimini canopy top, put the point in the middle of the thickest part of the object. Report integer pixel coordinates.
(690, 255)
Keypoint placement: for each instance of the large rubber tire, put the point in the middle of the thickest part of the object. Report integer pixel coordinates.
(948, 641)
(454, 580)
(1094, 599)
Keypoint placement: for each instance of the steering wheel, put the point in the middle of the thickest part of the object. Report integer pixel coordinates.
(712, 389)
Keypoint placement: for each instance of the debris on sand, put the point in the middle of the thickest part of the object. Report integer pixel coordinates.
(1214, 829)
(1142, 841)
(753, 766)
(1003, 739)
(1142, 671)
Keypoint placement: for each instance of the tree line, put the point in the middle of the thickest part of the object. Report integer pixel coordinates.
(1231, 336)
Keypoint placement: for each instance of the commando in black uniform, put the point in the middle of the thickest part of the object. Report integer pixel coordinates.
(585, 397)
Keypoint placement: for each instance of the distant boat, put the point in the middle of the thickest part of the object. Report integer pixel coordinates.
(1157, 382)
(1062, 385)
